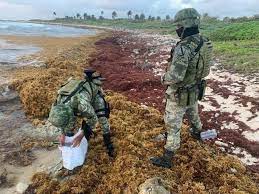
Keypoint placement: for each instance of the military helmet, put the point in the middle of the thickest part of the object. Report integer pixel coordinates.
(94, 76)
(98, 76)
(187, 18)
(60, 115)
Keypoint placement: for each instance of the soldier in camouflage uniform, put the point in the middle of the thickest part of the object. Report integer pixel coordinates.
(85, 99)
(191, 61)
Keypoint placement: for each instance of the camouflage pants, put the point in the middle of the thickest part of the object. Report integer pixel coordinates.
(99, 106)
(173, 121)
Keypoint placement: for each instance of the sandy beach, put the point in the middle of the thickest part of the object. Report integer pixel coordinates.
(22, 149)
(132, 64)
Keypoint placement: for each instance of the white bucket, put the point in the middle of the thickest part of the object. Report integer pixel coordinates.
(73, 156)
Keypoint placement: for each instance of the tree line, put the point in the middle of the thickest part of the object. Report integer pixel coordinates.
(114, 15)
(143, 17)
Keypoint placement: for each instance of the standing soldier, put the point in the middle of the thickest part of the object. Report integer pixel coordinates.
(83, 99)
(184, 78)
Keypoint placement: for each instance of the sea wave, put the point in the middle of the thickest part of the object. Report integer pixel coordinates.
(32, 29)
(4, 26)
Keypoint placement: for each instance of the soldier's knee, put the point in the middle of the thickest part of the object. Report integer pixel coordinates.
(102, 120)
(173, 125)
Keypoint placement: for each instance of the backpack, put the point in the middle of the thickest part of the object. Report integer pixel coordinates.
(61, 112)
(204, 50)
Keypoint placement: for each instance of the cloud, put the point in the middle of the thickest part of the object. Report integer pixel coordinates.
(20, 10)
(25, 9)
(221, 8)
(232, 7)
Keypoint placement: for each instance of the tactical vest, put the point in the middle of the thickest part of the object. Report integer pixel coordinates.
(200, 61)
(192, 88)
(72, 87)
(64, 111)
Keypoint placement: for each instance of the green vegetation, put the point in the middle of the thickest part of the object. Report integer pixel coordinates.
(242, 56)
(235, 43)
(236, 40)
(154, 24)
(237, 31)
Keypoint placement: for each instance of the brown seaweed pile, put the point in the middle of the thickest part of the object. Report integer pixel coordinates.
(37, 86)
(198, 168)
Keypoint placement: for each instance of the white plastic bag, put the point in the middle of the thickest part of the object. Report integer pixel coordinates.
(73, 156)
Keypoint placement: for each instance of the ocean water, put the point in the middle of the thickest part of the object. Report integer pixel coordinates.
(31, 29)
(9, 52)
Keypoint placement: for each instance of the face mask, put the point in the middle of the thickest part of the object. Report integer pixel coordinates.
(179, 31)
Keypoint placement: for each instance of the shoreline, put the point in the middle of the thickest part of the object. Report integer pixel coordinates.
(108, 52)
(82, 26)
(25, 130)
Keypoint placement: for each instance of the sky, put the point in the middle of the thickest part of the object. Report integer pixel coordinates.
(43, 9)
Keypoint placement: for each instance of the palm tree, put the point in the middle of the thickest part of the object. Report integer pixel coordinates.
(78, 15)
(93, 17)
(129, 14)
(85, 16)
(54, 14)
(158, 18)
(142, 17)
(136, 17)
(114, 14)
(101, 16)
(167, 17)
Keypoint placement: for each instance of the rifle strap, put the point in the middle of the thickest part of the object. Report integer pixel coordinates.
(74, 92)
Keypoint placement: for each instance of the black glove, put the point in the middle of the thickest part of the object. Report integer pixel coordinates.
(88, 132)
(108, 144)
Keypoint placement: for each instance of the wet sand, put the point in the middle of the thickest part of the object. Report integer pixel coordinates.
(22, 148)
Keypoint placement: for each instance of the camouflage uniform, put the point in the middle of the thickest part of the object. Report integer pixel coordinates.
(88, 109)
(99, 107)
(175, 76)
(173, 122)
(81, 104)
(85, 99)
(190, 63)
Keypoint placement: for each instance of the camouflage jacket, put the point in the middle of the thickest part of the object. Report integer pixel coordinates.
(81, 103)
(180, 71)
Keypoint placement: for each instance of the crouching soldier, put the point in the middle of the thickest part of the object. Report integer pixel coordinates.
(82, 99)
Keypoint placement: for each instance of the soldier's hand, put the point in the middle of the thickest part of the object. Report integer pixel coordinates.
(77, 140)
(61, 139)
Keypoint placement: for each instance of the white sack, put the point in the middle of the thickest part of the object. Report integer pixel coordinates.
(73, 156)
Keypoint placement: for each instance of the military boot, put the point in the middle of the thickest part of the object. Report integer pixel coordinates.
(108, 144)
(196, 134)
(164, 161)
